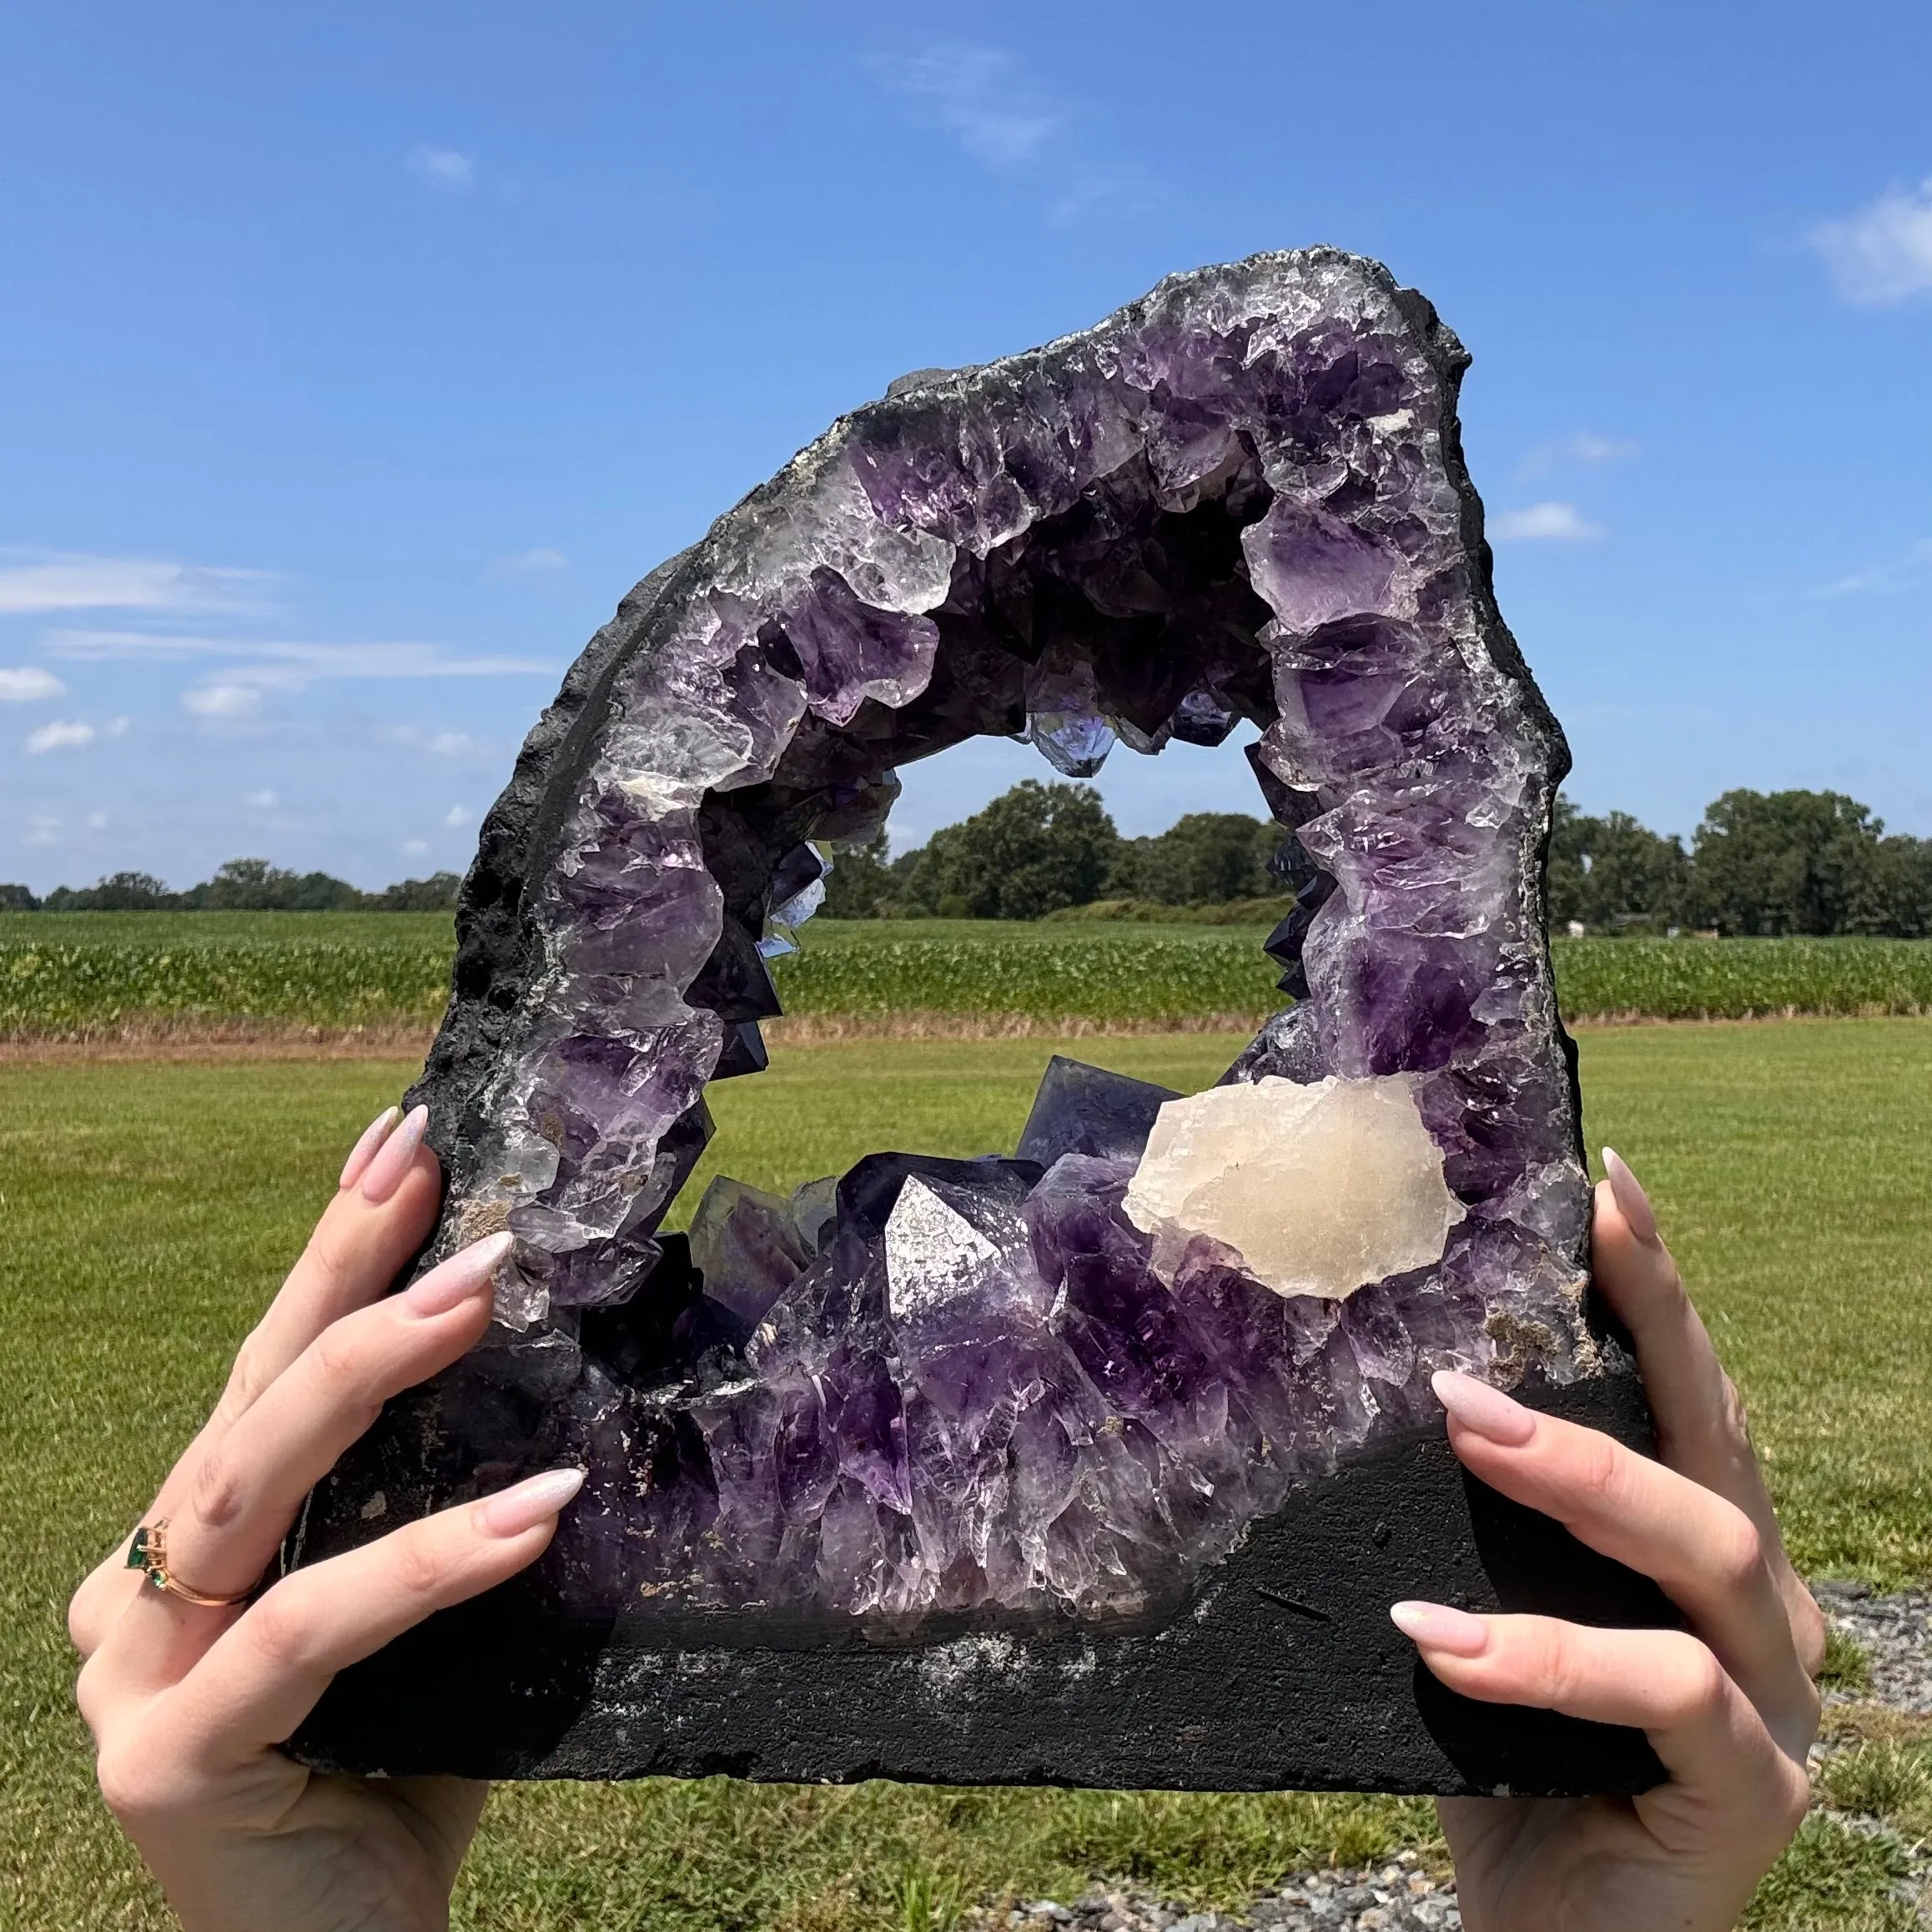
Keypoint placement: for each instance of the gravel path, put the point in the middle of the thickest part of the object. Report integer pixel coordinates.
(1894, 1631)
(1396, 1898)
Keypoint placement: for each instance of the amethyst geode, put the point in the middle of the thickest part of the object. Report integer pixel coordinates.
(931, 1470)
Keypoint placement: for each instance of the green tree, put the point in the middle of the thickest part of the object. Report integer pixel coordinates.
(861, 881)
(1784, 862)
(437, 894)
(1613, 873)
(119, 891)
(1033, 850)
(1203, 859)
(16, 899)
(1895, 897)
(1570, 834)
(252, 885)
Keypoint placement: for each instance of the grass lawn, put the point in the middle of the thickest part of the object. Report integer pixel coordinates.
(146, 1212)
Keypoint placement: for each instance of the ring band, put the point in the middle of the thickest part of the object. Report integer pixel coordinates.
(148, 1554)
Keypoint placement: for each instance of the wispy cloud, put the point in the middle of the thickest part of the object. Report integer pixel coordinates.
(985, 100)
(262, 801)
(27, 684)
(1583, 447)
(1882, 254)
(1896, 574)
(60, 735)
(223, 701)
(44, 582)
(981, 96)
(281, 665)
(444, 168)
(457, 815)
(1544, 523)
(527, 562)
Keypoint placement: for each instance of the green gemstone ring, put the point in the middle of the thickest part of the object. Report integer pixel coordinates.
(149, 1553)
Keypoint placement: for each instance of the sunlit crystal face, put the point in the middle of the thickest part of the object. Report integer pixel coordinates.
(1062, 1383)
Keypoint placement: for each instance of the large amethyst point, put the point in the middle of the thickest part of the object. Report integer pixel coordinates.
(952, 1469)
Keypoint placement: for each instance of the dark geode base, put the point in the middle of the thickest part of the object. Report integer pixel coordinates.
(1282, 1671)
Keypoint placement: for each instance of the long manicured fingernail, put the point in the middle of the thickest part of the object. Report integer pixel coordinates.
(1489, 1412)
(511, 1511)
(364, 1151)
(1437, 1627)
(455, 1280)
(1630, 1196)
(392, 1162)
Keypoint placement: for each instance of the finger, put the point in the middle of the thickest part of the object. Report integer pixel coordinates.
(250, 1484)
(1701, 1429)
(366, 1235)
(1704, 1730)
(264, 1676)
(1703, 1550)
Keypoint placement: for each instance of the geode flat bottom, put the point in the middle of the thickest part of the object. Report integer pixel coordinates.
(1283, 1672)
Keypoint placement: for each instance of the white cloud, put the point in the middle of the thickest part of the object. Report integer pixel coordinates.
(1543, 523)
(452, 744)
(42, 830)
(97, 822)
(285, 666)
(981, 96)
(118, 727)
(526, 561)
(457, 815)
(1583, 447)
(1894, 575)
(228, 700)
(1883, 254)
(444, 167)
(29, 684)
(262, 801)
(415, 847)
(31, 582)
(61, 736)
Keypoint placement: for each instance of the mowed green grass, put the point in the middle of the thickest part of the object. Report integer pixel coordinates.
(147, 1211)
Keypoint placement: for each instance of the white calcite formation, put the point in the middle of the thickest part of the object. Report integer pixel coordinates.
(1315, 1189)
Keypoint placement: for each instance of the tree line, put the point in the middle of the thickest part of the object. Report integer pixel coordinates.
(243, 885)
(1759, 863)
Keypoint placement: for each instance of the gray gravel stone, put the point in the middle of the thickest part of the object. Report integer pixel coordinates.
(1895, 1632)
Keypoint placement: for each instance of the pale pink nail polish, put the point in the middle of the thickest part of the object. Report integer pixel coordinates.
(1489, 1412)
(385, 1173)
(454, 1281)
(1437, 1627)
(1630, 1196)
(511, 1511)
(364, 1151)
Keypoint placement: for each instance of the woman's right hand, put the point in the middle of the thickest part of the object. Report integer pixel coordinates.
(1729, 1705)
(189, 1704)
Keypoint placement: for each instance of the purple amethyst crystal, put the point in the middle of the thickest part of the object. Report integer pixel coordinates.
(949, 1397)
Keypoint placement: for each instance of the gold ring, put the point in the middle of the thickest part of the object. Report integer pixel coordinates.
(148, 1554)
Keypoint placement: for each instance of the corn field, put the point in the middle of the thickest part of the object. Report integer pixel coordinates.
(384, 974)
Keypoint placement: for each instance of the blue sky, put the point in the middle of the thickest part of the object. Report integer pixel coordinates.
(354, 361)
